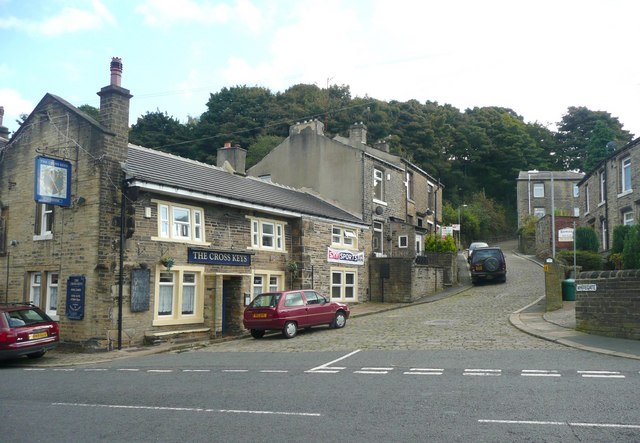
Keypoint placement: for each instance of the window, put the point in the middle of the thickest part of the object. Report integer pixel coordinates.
(294, 299)
(344, 237)
(267, 234)
(538, 190)
(586, 199)
(627, 218)
(603, 230)
(44, 221)
(603, 186)
(576, 212)
(539, 212)
(179, 296)
(418, 244)
(343, 285)
(420, 222)
(266, 282)
(403, 241)
(52, 294)
(625, 178)
(35, 288)
(180, 223)
(576, 191)
(409, 184)
(378, 229)
(378, 184)
(430, 196)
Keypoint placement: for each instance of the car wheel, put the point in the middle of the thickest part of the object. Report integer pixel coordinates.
(290, 329)
(340, 321)
(36, 354)
(491, 264)
(257, 333)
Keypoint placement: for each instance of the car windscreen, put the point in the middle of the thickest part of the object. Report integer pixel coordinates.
(24, 317)
(265, 301)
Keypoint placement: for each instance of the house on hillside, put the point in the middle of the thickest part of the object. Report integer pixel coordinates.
(399, 201)
(610, 193)
(125, 245)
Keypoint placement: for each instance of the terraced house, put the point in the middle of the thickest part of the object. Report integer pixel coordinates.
(610, 193)
(124, 244)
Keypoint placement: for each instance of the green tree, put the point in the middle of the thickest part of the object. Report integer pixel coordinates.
(631, 250)
(261, 147)
(586, 239)
(598, 146)
(158, 130)
(91, 111)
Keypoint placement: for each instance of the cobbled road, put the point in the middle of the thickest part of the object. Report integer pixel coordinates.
(475, 319)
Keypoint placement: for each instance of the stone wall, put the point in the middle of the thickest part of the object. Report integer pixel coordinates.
(447, 261)
(608, 303)
(406, 281)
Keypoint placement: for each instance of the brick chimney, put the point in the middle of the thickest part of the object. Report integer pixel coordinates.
(315, 126)
(234, 155)
(357, 134)
(114, 108)
(4, 131)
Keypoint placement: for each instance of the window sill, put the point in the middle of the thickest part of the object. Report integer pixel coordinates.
(182, 240)
(48, 236)
(380, 202)
(622, 194)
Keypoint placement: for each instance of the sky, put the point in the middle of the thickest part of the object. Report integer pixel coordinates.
(536, 57)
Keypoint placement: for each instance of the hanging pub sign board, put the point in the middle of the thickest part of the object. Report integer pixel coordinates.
(52, 181)
(75, 297)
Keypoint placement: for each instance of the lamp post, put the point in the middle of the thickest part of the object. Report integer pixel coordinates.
(460, 227)
(553, 219)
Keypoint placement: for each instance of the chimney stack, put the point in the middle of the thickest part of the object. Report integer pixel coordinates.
(235, 156)
(358, 134)
(116, 71)
(4, 131)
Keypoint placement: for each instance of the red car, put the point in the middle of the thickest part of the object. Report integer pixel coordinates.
(26, 330)
(287, 311)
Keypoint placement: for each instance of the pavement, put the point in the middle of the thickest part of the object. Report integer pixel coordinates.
(556, 326)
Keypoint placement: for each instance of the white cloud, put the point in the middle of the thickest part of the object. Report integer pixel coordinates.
(161, 13)
(14, 105)
(69, 20)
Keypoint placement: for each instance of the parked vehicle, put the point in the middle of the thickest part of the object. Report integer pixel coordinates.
(473, 246)
(26, 330)
(488, 263)
(288, 311)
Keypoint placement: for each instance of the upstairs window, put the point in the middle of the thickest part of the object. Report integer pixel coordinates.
(409, 184)
(586, 199)
(627, 218)
(180, 223)
(539, 212)
(44, 221)
(344, 237)
(430, 196)
(576, 191)
(378, 184)
(603, 186)
(625, 172)
(538, 190)
(267, 235)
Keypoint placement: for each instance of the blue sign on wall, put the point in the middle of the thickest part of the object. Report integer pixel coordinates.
(52, 181)
(75, 297)
(207, 257)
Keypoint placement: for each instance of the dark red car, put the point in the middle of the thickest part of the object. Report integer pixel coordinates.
(26, 330)
(288, 311)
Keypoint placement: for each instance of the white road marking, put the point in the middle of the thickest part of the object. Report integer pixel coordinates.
(63, 370)
(321, 371)
(274, 371)
(129, 370)
(34, 369)
(161, 371)
(424, 371)
(235, 370)
(95, 370)
(483, 372)
(561, 423)
(326, 366)
(166, 408)
(540, 373)
(196, 370)
(601, 374)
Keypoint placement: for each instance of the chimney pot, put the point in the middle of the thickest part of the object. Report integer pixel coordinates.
(116, 71)
(227, 144)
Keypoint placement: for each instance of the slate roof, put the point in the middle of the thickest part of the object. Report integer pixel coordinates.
(160, 168)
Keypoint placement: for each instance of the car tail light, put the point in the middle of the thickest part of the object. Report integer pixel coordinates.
(7, 337)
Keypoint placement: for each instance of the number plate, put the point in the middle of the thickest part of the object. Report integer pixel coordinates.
(260, 315)
(38, 335)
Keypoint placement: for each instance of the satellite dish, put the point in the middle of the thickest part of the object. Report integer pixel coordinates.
(379, 210)
(611, 146)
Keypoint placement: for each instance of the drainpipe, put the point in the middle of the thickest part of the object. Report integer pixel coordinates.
(121, 270)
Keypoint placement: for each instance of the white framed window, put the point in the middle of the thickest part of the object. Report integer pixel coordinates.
(538, 190)
(378, 184)
(409, 184)
(378, 234)
(51, 307)
(267, 235)
(44, 221)
(266, 281)
(603, 187)
(35, 288)
(576, 191)
(625, 171)
(179, 295)
(539, 212)
(403, 241)
(419, 243)
(576, 212)
(586, 199)
(627, 218)
(180, 223)
(344, 237)
(343, 284)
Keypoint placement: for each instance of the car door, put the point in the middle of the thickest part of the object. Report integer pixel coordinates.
(294, 308)
(319, 309)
